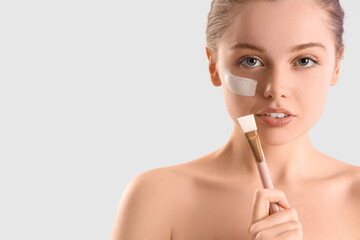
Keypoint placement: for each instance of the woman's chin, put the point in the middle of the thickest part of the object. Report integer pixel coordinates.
(276, 138)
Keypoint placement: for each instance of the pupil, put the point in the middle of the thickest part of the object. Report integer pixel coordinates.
(251, 61)
(304, 61)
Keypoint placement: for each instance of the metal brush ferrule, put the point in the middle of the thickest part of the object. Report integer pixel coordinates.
(255, 145)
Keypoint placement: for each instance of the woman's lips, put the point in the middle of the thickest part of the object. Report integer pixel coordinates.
(275, 110)
(275, 122)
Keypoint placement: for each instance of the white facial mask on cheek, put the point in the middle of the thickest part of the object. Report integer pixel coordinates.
(239, 85)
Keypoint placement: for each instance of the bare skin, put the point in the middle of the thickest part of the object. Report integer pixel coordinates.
(327, 202)
(206, 199)
(220, 196)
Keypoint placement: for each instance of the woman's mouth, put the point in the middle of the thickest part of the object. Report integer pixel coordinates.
(276, 117)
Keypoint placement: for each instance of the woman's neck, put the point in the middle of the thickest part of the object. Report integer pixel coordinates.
(287, 163)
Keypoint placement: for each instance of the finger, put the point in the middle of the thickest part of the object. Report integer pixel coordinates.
(294, 234)
(288, 215)
(262, 200)
(271, 232)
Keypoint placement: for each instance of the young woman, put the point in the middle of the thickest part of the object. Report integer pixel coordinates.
(293, 50)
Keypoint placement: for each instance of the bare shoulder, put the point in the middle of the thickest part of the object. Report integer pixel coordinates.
(148, 205)
(342, 196)
(353, 198)
(346, 177)
(158, 178)
(163, 183)
(354, 180)
(350, 174)
(163, 180)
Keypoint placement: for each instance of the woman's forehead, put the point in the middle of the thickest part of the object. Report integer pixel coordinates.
(280, 24)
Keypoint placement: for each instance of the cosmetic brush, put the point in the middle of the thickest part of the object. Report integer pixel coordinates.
(248, 125)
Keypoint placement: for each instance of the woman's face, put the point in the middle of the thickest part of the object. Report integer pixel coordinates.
(287, 47)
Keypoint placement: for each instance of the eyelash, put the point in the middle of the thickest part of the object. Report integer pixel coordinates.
(315, 62)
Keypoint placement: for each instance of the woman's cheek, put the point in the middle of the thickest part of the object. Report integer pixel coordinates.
(237, 105)
(321, 88)
(313, 98)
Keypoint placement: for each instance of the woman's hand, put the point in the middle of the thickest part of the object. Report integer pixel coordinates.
(282, 225)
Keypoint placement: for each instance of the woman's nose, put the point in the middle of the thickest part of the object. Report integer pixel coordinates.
(277, 85)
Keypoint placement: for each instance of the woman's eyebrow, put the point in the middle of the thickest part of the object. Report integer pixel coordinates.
(247, 45)
(293, 49)
(306, 45)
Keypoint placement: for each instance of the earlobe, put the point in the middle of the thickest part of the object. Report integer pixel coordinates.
(334, 79)
(215, 79)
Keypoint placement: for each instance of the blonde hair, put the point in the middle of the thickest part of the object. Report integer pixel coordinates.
(222, 12)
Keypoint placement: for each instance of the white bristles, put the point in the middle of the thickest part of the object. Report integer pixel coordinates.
(247, 123)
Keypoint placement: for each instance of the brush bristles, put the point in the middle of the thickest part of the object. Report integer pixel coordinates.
(247, 123)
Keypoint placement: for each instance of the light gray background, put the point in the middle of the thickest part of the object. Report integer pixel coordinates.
(92, 93)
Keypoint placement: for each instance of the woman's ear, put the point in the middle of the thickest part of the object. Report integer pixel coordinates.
(214, 75)
(339, 57)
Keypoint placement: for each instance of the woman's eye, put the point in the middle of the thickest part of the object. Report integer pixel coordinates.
(305, 62)
(250, 62)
